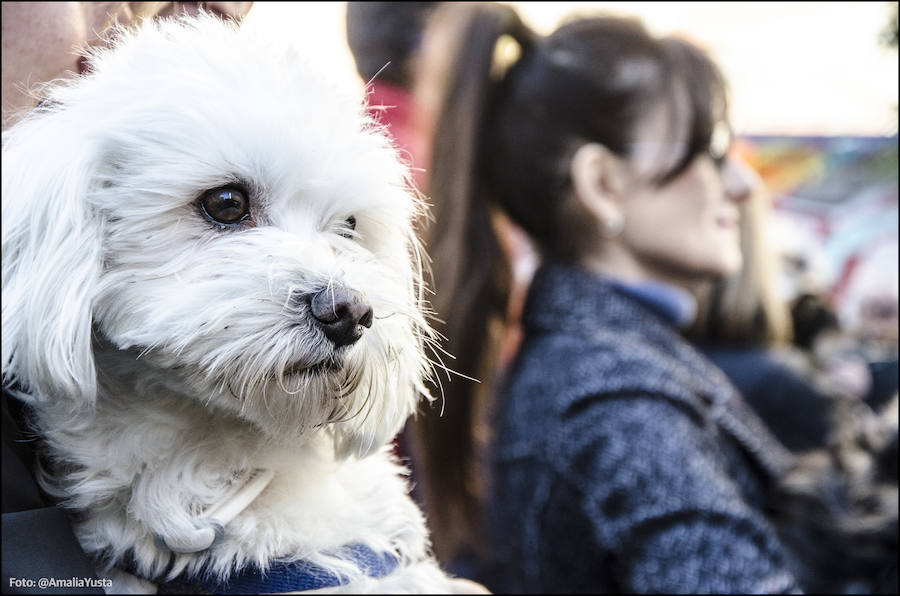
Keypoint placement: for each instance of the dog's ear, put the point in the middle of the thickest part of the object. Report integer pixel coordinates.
(51, 252)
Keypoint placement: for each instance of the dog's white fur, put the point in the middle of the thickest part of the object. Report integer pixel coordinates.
(154, 344)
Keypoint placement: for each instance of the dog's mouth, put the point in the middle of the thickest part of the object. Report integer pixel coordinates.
(329, 365)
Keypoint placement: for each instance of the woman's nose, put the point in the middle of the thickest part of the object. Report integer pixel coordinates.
(739, 179)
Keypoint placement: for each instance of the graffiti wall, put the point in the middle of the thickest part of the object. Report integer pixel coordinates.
(837, 193)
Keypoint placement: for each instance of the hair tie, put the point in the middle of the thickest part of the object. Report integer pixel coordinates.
(507, 52)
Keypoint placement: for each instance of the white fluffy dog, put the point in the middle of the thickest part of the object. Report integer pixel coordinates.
(212, 299)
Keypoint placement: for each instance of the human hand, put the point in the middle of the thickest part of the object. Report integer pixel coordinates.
(466, 586)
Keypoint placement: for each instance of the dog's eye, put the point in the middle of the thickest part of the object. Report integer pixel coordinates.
(227, 205)
(348, 227)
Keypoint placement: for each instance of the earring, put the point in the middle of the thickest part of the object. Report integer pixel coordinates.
(612, 227)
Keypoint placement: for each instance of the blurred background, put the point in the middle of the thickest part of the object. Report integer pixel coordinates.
(814, 102)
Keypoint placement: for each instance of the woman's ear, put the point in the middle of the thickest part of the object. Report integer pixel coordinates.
(598, 181)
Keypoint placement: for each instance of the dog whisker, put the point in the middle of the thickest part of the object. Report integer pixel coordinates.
(231, 390)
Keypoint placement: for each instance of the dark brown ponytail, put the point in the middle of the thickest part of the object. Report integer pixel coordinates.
(470, 273)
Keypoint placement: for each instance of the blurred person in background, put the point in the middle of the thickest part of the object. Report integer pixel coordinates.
(384, 39)
(832, 353)
(615, 458)
(869, 312)
(849, 328)
(42, 41)
(745, 327)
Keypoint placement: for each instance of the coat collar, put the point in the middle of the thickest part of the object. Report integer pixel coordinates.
(568, 298)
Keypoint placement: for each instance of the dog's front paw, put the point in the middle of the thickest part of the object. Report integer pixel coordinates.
(206, 534)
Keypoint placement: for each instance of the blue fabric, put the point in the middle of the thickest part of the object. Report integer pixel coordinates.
(677, 306)
(797, 413)
(623, 460)
(283, 576)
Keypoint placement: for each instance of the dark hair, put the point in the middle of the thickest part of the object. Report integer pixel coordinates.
(504, 141)
(811, 317)
(384, 36)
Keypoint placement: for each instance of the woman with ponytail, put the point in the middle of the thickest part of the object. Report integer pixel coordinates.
(618, 459)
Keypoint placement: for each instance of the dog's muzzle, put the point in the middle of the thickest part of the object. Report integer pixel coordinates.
(341, 313)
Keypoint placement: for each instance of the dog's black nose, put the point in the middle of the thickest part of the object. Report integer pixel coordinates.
(341, 313)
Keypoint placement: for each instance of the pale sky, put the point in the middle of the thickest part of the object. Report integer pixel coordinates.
(806, 68)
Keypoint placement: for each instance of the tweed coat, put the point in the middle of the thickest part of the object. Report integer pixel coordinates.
(623, 460)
